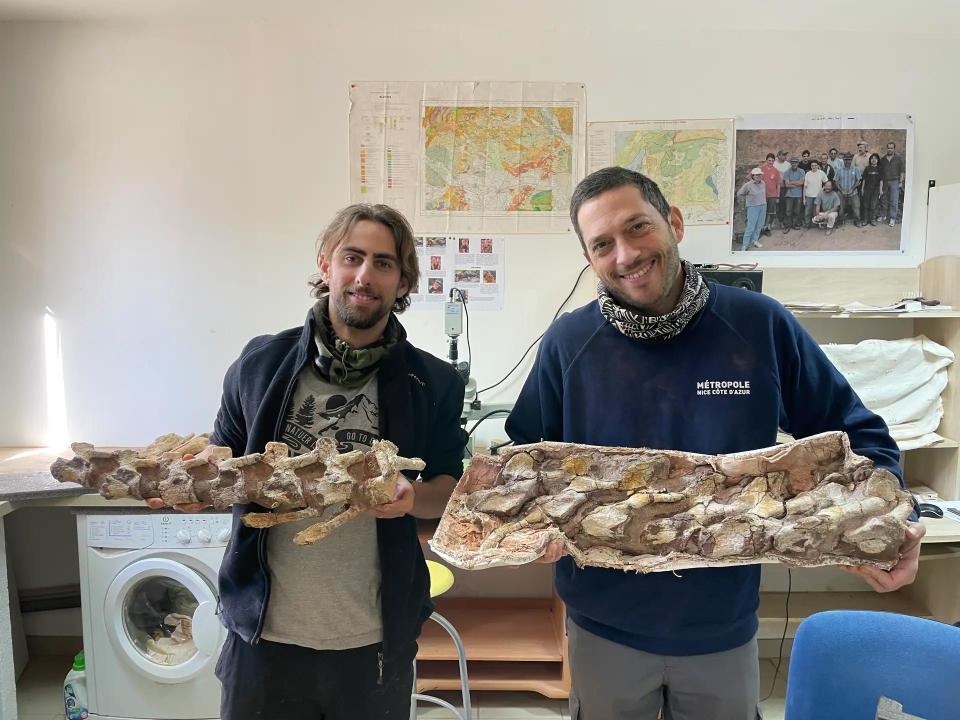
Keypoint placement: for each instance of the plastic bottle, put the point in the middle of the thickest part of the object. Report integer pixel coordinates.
(75, 690)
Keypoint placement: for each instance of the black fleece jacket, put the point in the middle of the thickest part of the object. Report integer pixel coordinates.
(421, 400)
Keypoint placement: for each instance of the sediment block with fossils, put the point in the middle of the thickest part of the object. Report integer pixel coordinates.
(805, 503)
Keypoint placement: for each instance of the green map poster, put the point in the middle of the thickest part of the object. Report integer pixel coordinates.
(691, 161)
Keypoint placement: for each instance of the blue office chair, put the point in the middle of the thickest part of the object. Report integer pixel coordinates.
(843, 661)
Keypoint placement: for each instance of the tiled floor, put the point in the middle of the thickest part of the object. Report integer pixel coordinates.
(499, 706)
(40, 697)
(40, 690)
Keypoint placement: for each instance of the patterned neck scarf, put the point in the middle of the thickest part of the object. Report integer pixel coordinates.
(693, 298)
(340, 364)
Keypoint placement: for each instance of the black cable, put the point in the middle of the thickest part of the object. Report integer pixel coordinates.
(783, 637)
(570, 294)
(463, 299)
(530, 347)
(511, 371)
(484, 417)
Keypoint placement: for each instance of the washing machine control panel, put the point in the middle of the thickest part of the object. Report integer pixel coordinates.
(187, 530)
(169, 530)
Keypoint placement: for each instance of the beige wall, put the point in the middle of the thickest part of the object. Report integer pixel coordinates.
(163, 178)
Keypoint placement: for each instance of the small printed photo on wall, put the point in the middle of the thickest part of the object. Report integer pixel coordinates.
(814, 184)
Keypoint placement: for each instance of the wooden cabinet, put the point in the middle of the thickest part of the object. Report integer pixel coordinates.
(511, 644)
(512, 626)
(936, 592)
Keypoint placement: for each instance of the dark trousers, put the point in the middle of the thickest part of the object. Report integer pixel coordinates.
(850, 204)
(869, 208)
(771, 211)
(276, 681)
(792, 212)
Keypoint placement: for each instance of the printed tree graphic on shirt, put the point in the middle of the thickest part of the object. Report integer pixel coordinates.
(306, 412)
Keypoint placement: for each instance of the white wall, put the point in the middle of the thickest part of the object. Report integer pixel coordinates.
(163, 178)
(943, 221)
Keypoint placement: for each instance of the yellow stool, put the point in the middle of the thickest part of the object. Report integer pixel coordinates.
(441, 580)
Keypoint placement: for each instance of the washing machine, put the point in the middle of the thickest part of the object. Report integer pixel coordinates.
(151, 634)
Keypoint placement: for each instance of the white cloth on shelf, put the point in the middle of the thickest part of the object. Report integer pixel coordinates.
(901, 381)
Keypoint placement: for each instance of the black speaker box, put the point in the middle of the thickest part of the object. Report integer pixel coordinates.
(747, 279)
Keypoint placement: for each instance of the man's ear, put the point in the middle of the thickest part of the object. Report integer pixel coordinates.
(323, 267)
(676, 222)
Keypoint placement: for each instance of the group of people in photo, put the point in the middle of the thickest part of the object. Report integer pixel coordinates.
(806, 191)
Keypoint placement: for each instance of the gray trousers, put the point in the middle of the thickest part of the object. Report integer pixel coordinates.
(615, 682)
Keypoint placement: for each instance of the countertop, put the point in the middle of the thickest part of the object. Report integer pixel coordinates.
(25, 479)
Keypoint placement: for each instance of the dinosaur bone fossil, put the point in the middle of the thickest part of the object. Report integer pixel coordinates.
(317, 483)
(809, 502)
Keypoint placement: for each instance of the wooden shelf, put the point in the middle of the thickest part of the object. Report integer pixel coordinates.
(511, 644)
(939, 551)
(923, 314)
(426, 528)
(495, 629)
(540, 677)
(943, 444)
(941, 530)
(804, 604)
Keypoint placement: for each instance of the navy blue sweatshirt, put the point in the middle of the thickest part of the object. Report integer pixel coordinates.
(741, 369)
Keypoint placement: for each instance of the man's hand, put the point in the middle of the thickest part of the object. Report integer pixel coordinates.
(402, 501)
(903, 573)
(157, 503)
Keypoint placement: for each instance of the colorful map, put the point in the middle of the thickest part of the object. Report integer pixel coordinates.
(691, 161)
(497, 160)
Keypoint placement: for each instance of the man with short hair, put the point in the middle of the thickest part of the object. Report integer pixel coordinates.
(848, 182)
(836, 162)
(827, 167)
(828, 207)
(622, 372)
(782, 165)
(805, 161)
(772, 182)
(833, 164)
(329, 630)
(813, 181)
(793, 191)
(862, 158)
(892, 174)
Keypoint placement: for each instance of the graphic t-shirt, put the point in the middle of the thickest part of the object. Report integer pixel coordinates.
(326, 596)
(321, 409)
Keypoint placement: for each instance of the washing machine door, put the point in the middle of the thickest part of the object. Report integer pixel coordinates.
(160, 614)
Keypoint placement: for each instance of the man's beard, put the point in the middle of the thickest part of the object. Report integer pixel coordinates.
(358, 320)
(670, 277)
